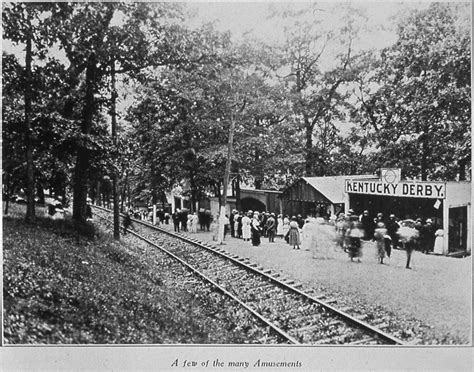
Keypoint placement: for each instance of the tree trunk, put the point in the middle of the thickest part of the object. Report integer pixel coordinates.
(237, 193)
(220, 237)
(115, 176)
(308, 148)
(30, 175)
(7, 194)
(81, 180)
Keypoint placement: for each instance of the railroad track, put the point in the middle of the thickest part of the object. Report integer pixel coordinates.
(292, 313)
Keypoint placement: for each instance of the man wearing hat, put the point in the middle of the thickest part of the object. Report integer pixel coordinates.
(392, 231)
(427, 236)
(271, 227)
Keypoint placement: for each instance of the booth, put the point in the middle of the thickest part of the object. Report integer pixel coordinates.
(447, 204)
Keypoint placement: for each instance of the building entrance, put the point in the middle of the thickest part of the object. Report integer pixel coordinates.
(457, 229)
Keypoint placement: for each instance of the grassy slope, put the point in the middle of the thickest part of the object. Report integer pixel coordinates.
(63, 287)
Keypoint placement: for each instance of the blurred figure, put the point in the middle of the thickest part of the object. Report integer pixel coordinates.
(189, 223)
(408, 236)
(354, 234)
(226, 225)
(340, 232)
(307, 235)
(127, 223)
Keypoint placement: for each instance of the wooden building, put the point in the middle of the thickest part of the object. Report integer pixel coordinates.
(321, 196)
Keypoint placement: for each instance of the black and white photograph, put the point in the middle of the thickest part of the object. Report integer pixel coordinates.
(236, 185)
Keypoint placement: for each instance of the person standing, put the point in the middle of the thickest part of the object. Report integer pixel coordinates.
(427, 236)
(246, 229)
(294, 234)
(367, 225)
(307, 235)
(238, 225)
(379, 235)
(286, 225)
(271, 228)
(392, 230)
(231, 223)
(256, 230)
(279, 231)
(194, 223)
(176, 220)
(439, 242)
(354, 234)
(300, 221)
(226, 225)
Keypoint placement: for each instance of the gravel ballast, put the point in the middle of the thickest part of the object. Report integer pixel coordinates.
(432, 300)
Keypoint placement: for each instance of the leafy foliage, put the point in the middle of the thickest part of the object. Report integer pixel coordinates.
(63, 287)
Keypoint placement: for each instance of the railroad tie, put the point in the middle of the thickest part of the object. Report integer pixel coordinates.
(309, 328)
(364, 341)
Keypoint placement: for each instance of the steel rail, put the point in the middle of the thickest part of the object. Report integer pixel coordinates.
(342, 314)
(217, 286)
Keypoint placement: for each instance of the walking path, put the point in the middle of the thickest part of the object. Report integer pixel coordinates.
(437, 291)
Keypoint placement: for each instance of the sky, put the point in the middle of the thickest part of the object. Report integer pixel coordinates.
(253, 17)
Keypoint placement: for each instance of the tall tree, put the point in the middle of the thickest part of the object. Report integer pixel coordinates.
(416, 99)
(21, 24)
(313, 86)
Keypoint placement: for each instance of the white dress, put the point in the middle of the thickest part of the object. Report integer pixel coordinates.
(286, 226)
(439, 242)
(246, 227)
(307, 236)
(279, 227)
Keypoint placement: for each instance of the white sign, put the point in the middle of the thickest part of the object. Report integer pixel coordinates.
(434, 190)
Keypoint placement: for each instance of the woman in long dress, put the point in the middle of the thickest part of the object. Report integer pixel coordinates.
(439, 242)
(307, 235)
(286, 225)
(294, 238)
(256, 230)
(236, 225)
(246, 231)
(379, 234)
(280, 226)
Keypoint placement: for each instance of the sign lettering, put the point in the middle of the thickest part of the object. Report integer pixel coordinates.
(432, 190)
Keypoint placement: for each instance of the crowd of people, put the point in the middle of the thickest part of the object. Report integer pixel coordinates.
(387, 233)
(350, 228)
